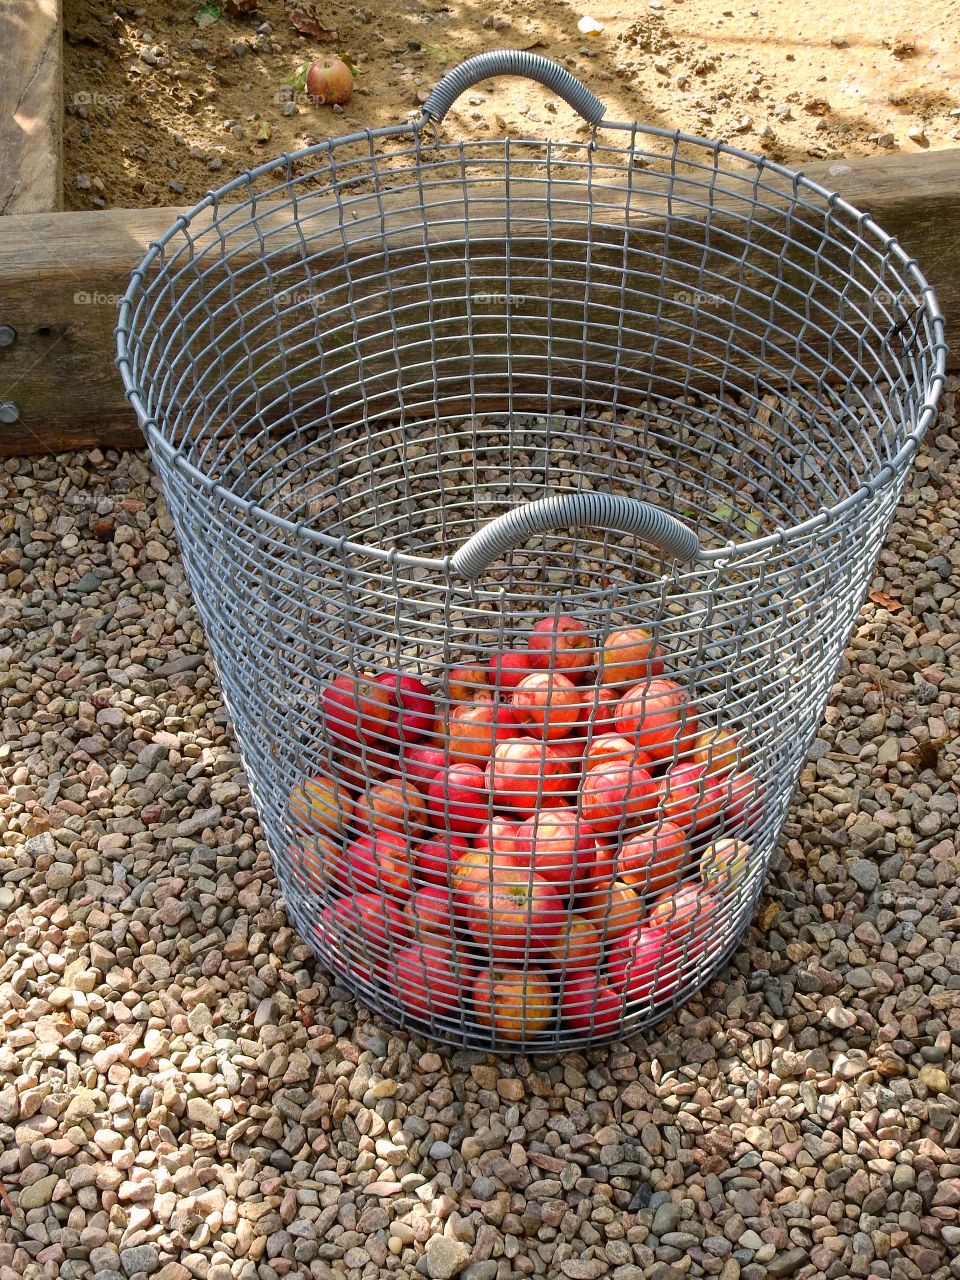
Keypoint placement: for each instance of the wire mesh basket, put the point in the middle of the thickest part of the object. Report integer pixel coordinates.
(528, 492)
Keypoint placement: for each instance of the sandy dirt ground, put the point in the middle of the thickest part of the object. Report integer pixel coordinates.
(161, 108)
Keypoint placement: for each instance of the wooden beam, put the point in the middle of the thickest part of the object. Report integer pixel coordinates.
(61, 277)
(31, 106)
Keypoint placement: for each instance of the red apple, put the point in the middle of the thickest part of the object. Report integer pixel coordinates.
(329, 81)
(354, 709)
(561, 846)
(320, 805)
(686, 916)
(613, 909)
(509, 910)
(379, 861)
(742, 798)
(468, 683)
(719, 750)
(476, 728)
(617, 794)
(314, 862)
(365, 763)
(546, 704)
(644, 963)
(689, 798)
(599, 709)
(653, 858)
(590, 1006)
(629, 655)
(613, 746)
(661, 718)
(429, 912)
(570, 750)
(433, 859)
(499, 835)
(361, 931)
(391, 806)
(561, 644)
(506, 670)
(525, 775)
(457, 799)
(517, 1004)
(724, 864)
(412, 708)
(578, 948)
(429, 978)
(422, 764)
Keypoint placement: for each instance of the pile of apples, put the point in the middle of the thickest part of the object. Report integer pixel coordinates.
(549, 833)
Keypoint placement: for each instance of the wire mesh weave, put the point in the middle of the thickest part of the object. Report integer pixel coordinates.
(414, 401)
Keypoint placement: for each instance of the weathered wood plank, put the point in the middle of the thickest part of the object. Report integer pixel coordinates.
(31, 106)
(61, 277)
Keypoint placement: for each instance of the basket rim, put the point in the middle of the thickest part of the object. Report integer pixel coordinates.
(928, 310)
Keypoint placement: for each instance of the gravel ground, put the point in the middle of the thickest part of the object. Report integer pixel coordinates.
(183, 1094)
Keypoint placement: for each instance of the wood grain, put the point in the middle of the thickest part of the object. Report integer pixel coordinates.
(31, 106)
(61, 277)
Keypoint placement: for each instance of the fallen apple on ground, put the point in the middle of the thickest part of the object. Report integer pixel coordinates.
(329, 81)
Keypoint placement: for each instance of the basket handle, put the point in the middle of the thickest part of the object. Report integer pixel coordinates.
(513, 62)
(569, 510)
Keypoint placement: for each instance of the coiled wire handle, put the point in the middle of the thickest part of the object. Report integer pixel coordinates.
(567, 511)
(513, 62)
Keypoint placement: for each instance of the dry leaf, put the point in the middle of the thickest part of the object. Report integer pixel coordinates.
(768, 913)
(588, 26)
(237, 7)
(926, 755)
(307, 22)
(887, 602)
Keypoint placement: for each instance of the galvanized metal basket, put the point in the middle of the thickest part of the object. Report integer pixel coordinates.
(419, 404)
